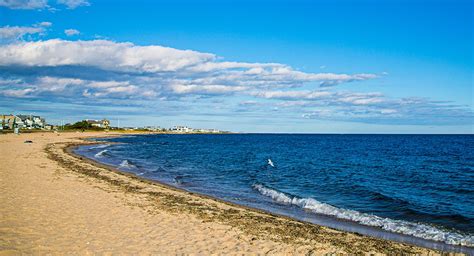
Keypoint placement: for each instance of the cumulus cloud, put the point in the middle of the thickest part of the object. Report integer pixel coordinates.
(12, 33)
(185, 66)
(16, 32)
(150, 71)
(72, 4)
(24, 4)
(71, 32)
(66, 87)
(103, 54)
(41, 4)
(90, 71)
(16, 92)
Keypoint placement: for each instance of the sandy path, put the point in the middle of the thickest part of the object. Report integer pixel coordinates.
(49, 207)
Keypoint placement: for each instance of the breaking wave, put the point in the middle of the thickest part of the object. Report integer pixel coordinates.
(126, 164)
(419, 230)
(100, 146)
(101, 153)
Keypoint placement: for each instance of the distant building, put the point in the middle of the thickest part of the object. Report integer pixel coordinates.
(182, 129)
(32, 122)
(207, 130)
(185, 129)
(104, 123)
(152, 128)
(9, 121)
(22, 122)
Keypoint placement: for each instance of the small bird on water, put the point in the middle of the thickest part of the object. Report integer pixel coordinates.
(270, 162)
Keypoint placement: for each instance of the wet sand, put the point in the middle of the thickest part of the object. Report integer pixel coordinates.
(55, 202)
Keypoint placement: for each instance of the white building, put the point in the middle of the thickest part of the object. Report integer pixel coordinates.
(153, 128)
(22, 122)
(32, 122)
(104, 123)
(207, 130)
(182, 129)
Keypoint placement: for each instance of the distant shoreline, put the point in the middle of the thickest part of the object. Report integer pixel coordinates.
(226, 133)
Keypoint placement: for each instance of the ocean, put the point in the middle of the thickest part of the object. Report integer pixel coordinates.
(410, 188)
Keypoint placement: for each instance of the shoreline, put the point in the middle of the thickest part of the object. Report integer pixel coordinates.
(354, 228)
(269, 216)
(57, 193)
(69, 150)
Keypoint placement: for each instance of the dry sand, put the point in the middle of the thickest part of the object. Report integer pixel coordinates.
(52, 202)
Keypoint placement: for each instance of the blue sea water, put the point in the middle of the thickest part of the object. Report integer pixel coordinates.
(418, 186)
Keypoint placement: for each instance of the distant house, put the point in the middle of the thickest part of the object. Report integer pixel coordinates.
(6, 121)
(22, 121)
(32, 122)
(207, 130)
(104, 123)
(152, 128)
(182, 129)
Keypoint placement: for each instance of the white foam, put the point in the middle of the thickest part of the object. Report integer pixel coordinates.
(127, 165)
(100, 146)
(101, 153)
(398, 226)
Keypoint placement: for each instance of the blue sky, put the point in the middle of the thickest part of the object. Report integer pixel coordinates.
(255, 66)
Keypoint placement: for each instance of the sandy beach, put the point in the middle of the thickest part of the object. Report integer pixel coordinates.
(54, 202)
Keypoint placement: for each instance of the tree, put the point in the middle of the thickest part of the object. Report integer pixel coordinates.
(84, 125)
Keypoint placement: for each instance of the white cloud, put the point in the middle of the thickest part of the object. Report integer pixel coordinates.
(107, 71)
(362, 98)
(388, 111)
(338, 80)
(206, 89)
(71, 32)
(17, 93)
(107, 84)
(356, 113)
(24, 4)
(305, 98)
(182, 71)
(12, 33)
(41, 4)
(56, 86)
(45, 24)
(53, 84)
(249, 103)
(72, 4)
(291, 95)
(102, 54)
(16, 33)
(4, 82)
